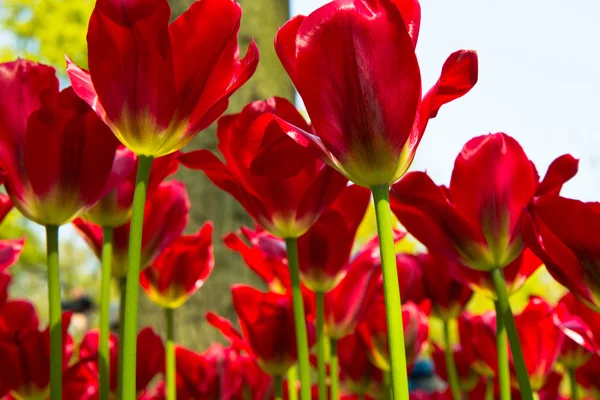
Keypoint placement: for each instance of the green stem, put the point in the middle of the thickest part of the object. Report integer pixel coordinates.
(299, 319)
(334, 363)
(489, 388)
(128, 346)
(170, 355)
(55, 322)
(573, 383)
(502, 351)
(391, 291)
(278, 387)
(513, 337)
(450, 364)
(292, 378)
(122, 289)
(103, 345)
(321, 362)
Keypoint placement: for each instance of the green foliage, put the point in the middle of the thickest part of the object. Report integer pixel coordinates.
(46, 30)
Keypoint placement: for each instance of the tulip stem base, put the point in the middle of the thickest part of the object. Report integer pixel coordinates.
(122, 286)
(103, 345)
(321, 356)
(129, 344)
(391, 290)
(278, 387)
(170, 355)
(55, 322)
(573, 384)
(450, 364)
(505, 312)
(489, 388)
(502, 351)
(334, 364)
(299, 319)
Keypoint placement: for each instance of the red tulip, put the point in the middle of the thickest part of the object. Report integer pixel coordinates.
(325, 248)
(550, 390)
(165, 217)
(581, 326)
(81, 379)
(515, 274)
(267, 323)
(348, 302)
(143, 82)
(180, 270)
(448, 295)
(477, 220)
(562, 232)
(266, 256)
(25, 350)
(537, 328)
(464, 359)
(367, 124)
(373, 331)
(361, 376)
(587, 376)
(219, 373)
(284, 191)
(114, 209)
(57, 153)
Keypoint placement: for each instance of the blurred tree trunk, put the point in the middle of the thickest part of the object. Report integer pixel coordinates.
(260, 20)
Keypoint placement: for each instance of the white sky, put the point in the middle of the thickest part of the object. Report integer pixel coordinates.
(539, 81)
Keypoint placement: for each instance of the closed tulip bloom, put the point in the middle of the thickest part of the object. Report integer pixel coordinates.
(448, 295)
(373, 331)
(142, 81)
(165, 217)
(114, 209)
(325, 248)
(180, 270)
(347, 303)
(25, 351)
(364, 97)
(476, 221)
(267, 323)
(562, 232)
(281, 185)
(581, 326)
(57, 154)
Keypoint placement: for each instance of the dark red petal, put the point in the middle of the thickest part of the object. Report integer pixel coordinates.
(150, 357)
(346, 53)
(130, 61)
(411, 14)
(286, 43)
(10, 250)
(327, 185)
(91, 233)
(459, 75)
(6, 205)
(559, 172)
(228, 330)
(208, 28)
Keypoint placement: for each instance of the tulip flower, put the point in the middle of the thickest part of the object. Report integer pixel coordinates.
(166, 216)
(468, 378)
(174, 276)
(367, 125)
(361, 376)
(25, 351)
(180, 270)
(81, 379)
(373, 331)
(561, 232)
(267, 323)
(58, 157)
(477, 220)
(154, 98)
(286, 194)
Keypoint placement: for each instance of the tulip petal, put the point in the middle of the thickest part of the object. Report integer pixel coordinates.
(131, 40)
(83, 86)
(559, 172)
